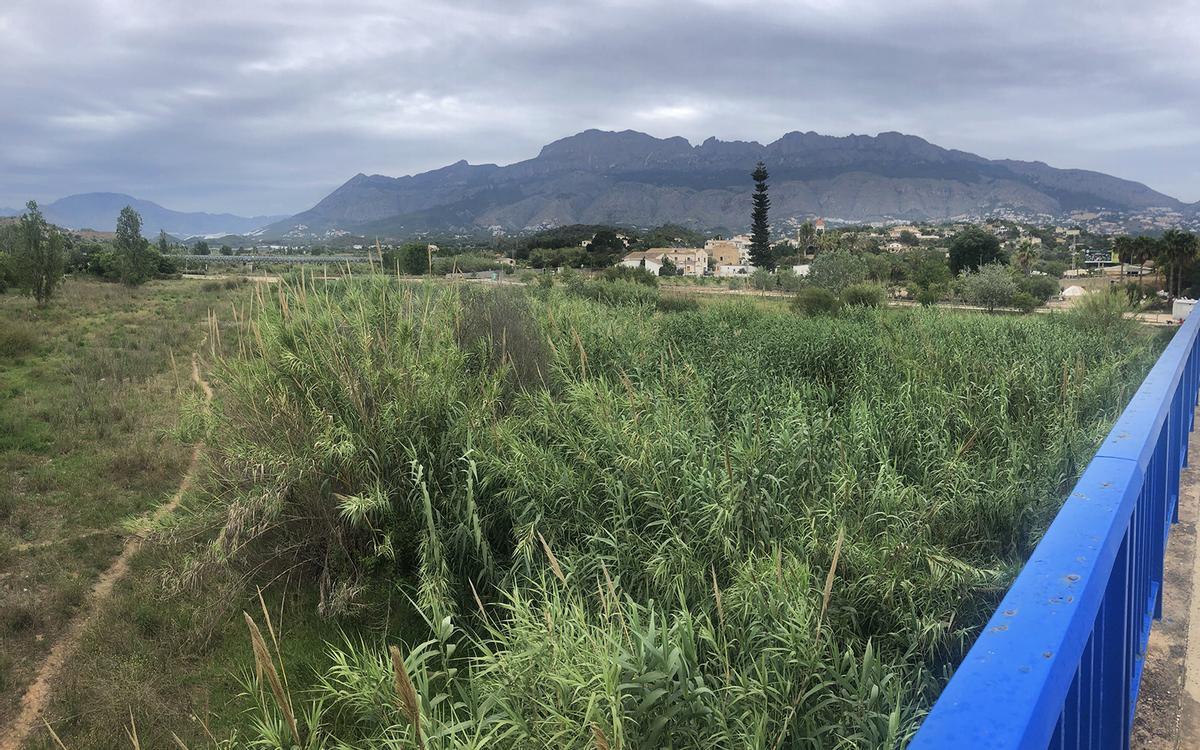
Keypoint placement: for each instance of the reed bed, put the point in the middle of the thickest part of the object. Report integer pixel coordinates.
(725, 528)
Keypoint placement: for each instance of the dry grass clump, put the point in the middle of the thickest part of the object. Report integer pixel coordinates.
(17, 338)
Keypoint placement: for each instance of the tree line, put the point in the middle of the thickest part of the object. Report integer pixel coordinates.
(35, 255)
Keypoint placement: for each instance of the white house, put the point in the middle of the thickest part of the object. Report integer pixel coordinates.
(734, 269)
(688, 261)
(648, 261)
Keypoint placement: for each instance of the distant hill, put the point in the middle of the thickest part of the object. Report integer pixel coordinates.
(630, 178)
(99, 211)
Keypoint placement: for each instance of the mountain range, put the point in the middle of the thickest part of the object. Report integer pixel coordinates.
(99, 211)
(631, 178)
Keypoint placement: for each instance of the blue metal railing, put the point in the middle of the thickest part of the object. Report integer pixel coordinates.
(1060, 661)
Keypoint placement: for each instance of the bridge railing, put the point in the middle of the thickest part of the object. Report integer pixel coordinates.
(1060, 661)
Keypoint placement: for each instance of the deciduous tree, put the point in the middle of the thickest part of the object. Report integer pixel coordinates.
(836, 270)
(137, 262)
(991, 286)
(972, 248)
(37, 255)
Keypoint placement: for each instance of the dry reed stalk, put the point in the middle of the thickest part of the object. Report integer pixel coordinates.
(274, 638)
(600, 739)
(608, 581)
(478, 602)
(265, 665)
(132, 734)
(554, 567)
(967, 445)
(54, 735)
(717, 596)
(582, 353)
(407, 694)
(837, 552)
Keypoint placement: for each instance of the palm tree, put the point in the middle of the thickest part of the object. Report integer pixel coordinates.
(1178, 249)
(1026, 255)
(1142, 249)
(807, 234)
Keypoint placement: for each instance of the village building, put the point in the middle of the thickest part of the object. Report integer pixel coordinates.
(733, 269)
(726, 252)
(688, 261)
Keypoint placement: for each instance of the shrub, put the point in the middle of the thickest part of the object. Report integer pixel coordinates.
(930, 295)
(1040, 288)
(443, 265)
(6, 278)
(499, 333)
(863, 295)
(625, 273)
(837, 269)
(1102, 310)
(1024, 301)
(17, 338)
(614, 293)
(168, 265)
(762, 279)
(991, 286)
(104, 264)
(787, 280)
(815, 301)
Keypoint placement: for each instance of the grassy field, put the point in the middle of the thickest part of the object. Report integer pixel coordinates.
(90, 396)
(631, 522)
(115, 363)
(590, 515)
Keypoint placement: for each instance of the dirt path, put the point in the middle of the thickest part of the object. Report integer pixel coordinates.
(36, 698)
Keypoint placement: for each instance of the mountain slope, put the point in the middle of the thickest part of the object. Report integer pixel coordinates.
(99, 211)
(634, 178)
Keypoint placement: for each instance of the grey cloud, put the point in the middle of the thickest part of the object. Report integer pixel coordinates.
(263, 107)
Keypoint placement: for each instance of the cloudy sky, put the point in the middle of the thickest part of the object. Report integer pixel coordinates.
(259, 106)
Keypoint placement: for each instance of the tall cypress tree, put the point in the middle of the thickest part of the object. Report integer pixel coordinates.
(760, 230)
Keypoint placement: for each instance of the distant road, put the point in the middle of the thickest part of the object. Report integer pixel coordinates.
(281, 259)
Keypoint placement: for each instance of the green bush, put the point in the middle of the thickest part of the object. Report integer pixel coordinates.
(991, 286)
(614, 293)
(1024, 301)
(813, 301)
(167, 265)
(104, 264)
(443, 265)
(930, 295)
(863, 295)
(625, 273)
(835, 270)
(1105, 310)
(1040, 288)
